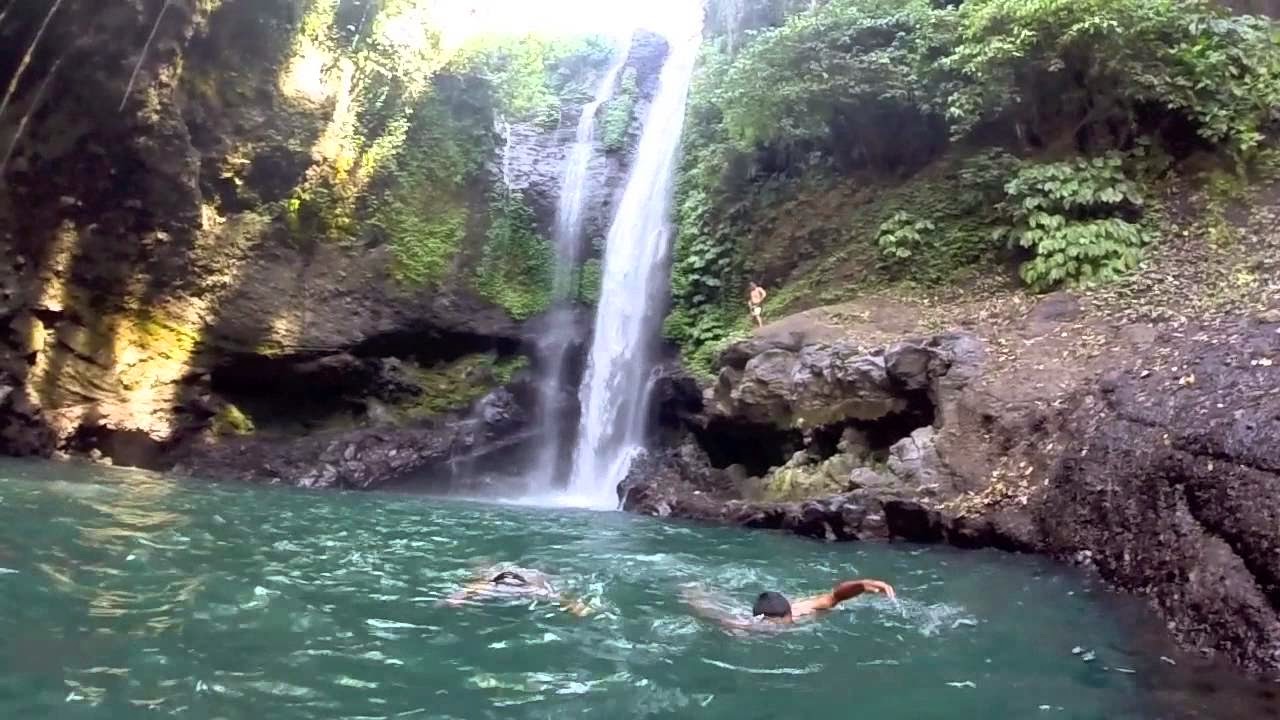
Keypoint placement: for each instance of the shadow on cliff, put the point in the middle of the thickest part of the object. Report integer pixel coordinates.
(105, 197)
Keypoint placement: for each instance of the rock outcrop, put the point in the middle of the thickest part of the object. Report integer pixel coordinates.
(1168, 483)
(854, 442)
(449, 453)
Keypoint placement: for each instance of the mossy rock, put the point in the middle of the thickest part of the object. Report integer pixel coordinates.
(232, 421)
(799, 481)
(456, 385)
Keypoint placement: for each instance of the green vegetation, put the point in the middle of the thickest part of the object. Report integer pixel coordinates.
(1072, 216)
(535, 78)
(619, 112)
(588, 282)
(455, 385)
(405, 160)
(423, 212)
(516, 268)
(231, 420)
(904, 235)
(836, 146)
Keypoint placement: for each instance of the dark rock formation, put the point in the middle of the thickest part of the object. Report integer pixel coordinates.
(156, 252)
(1170, 486)
(819, 385)
(864, 421)
(372, 458)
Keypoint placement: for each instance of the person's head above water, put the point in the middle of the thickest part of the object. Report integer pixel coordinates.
(508, 577)
(772, 606)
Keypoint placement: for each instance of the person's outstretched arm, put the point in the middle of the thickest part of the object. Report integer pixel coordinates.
(846, 590)
(575, 606)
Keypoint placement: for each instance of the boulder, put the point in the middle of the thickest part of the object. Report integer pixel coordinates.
(914, 460)
(819, 385)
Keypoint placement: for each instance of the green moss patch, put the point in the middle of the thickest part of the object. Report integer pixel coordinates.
(454, 386)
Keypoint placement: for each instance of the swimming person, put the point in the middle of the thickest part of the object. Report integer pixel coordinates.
(514, 583)
(772, 609)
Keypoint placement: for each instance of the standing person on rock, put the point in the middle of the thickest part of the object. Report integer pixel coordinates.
(755, 301)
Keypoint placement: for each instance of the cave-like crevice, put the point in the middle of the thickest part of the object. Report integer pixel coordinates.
(758, 447)
(310, 390)
(432, 345)
(881, 434)
(129, 448)
(293, 391)
(755, 446)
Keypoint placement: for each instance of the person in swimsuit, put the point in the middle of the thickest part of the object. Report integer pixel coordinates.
(755, 301)
(772, 609)
(514, 583)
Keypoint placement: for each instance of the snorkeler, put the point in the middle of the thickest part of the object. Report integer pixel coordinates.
(772, 609)
(513, 582)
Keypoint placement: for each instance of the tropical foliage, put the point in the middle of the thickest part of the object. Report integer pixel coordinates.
(954, 132)
(1077, 219)
(406, 159)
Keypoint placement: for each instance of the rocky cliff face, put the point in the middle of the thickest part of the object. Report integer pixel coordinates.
(176, 243)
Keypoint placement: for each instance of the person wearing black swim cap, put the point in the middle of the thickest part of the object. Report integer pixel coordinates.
(514, 582)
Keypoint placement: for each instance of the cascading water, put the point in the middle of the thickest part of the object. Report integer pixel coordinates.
(616, 386)
(557, 341)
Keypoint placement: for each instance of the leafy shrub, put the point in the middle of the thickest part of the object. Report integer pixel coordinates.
(703, 333)
(903, 235)
(843, 78)
(515, 269)
(1077, 217)
(619, 112)
(705, 256)
(1096, 63)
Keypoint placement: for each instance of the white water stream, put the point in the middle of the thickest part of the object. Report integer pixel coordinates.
(617, 384)
(570, 213)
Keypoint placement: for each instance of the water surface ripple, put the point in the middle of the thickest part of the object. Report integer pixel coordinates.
(123, 592)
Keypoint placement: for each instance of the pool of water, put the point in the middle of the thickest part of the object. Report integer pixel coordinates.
(124, 595)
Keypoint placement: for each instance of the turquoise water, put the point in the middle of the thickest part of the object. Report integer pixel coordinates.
(125, 595)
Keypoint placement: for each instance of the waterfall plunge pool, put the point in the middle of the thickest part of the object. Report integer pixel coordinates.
(126, 594)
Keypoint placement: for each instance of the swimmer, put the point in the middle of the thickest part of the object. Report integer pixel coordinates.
(516, 583)
(772, 609)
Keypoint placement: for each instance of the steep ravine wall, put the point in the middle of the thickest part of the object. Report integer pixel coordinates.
(168, 258)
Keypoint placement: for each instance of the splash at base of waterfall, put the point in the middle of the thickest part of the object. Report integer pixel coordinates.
(538, 496)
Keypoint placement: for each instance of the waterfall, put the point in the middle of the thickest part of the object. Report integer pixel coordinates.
(503, 128)
(616, 387)
(570, 210)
